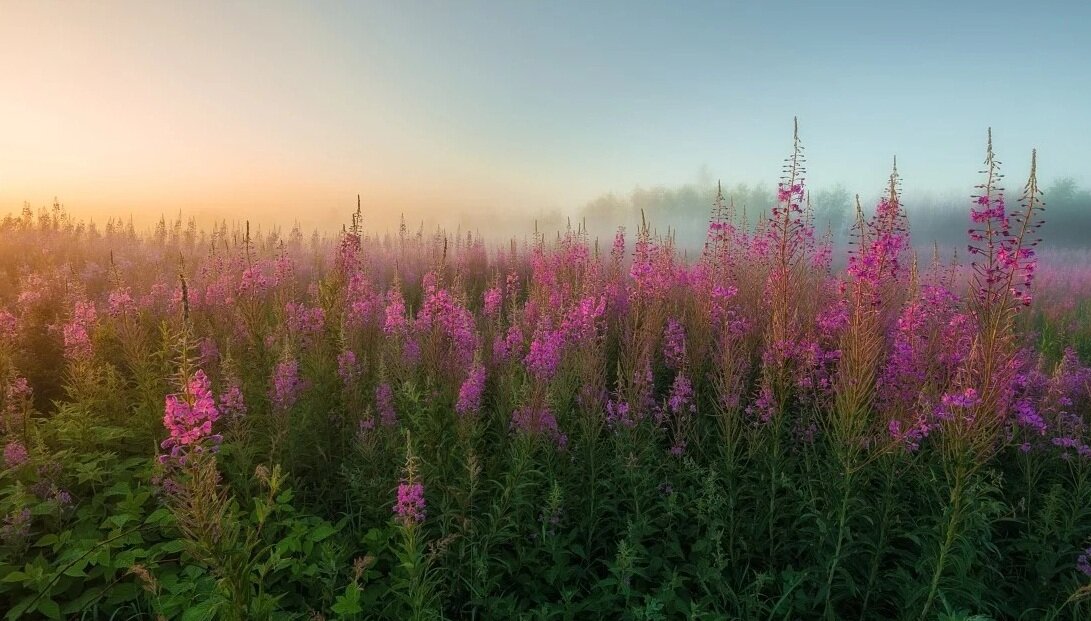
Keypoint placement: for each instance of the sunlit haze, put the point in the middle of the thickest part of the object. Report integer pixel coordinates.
(284, 112)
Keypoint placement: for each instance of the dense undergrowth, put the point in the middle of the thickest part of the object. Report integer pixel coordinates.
(210, 424)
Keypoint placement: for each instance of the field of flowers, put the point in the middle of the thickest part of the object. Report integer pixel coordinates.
(227, 424)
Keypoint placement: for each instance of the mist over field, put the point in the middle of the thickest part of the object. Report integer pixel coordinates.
(601, 309)
(491, 117)
(683, 211)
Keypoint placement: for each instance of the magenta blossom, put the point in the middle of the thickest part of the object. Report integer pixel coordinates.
(384, 403)
(410, 507)
(346, 367)
(188, 418)
(469, 394)
(232, 402)
(537, 422)
(674, 344)
(493, 298)
(287, 385)
(15, 454)
(545, 354)
(1083, 563)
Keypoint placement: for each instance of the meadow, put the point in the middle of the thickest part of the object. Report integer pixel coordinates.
(223, 423)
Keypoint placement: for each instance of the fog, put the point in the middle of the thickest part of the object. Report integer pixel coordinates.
(681, 211)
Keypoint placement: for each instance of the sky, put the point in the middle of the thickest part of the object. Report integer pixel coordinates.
(286, 111)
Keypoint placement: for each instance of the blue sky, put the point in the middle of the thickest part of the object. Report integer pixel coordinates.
(440, 107)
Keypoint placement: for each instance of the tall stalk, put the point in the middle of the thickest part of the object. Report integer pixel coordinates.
(953, 520)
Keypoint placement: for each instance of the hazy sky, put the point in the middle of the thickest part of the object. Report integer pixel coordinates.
(290, 109)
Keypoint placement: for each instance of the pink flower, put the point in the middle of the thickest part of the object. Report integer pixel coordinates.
(536, 421)
(287, 385)
(410, 506)
(680, 399)
(619, 413)
(15, 454)
(253, 281)
(395, 321)
(469, 394)
(508, 346)
(304, 321)
(209, 353)
(493, 299)
(77, 339)
(9, 326)
(188, 418)
(442, 311)
(14, 396)
(674, 344)
(346, 367)
(1083, 563)
(232, 403)
(384, 404)
(120, 303)
(583, 323)
(545, 353)
(764, 407)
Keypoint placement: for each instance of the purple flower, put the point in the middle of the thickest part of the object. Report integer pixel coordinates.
(764, 407)
(287, 384)
(545, 354)
(678, 448)
(509, 346)
(444, 312)
(394, 321)
(1083, 563)
(188, 418)
(16, 528)
(77, 337)
(535, 421)
(493, 298)
(232, 403)
(384, 404)
(15, 454)
(304, 321)
(364, 427)
(911, 436)
(63, 499)
(680, 399)
(209, 353)
(1027, 416)
(964, 400)
(674, 344)
(410, 506)
(121, 303)
(346, 367)
(620, 413)
(469, 394)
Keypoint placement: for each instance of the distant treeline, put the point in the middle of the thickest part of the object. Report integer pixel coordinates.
(684, 210)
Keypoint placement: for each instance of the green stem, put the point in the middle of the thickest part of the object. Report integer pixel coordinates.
(880, 544)
(953, 518)
(841, 522)
(774, 461)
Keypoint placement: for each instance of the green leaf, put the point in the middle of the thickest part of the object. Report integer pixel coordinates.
(49, 608)
(173, 546)
(349, 603)
(124, 592)
(47, 540)
(76, 570)
(200, 612)
(15, 576)
(324, 531)
(17, 611)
